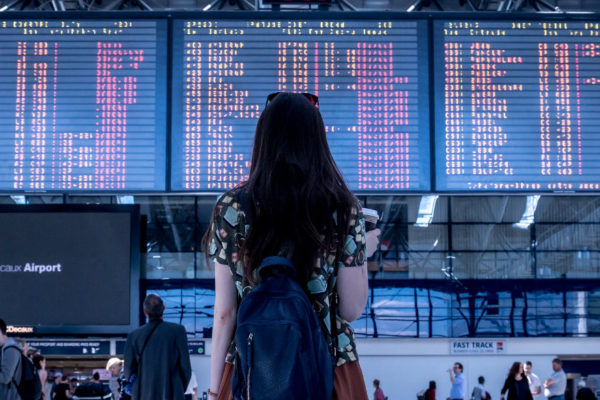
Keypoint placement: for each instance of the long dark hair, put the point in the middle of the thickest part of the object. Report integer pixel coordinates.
(37, 361)
(294, 189)
(514, 370)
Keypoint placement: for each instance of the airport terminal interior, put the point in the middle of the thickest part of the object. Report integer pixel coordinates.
(471, 126)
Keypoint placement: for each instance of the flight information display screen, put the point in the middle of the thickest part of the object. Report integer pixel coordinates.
(82, 104)
(517, 105)
(371, 77)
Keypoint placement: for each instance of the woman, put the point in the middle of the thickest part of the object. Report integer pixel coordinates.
(516, 383)
(430, 392)
(295, 204)
(40, 364)
(378, 395)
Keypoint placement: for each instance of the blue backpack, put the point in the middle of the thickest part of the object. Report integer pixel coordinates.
(281, 351)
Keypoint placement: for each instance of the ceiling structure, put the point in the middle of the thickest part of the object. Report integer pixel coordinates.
(363, 5)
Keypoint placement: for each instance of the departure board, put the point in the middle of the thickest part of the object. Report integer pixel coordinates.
(82, 104)
(371, 77)
(517, 105)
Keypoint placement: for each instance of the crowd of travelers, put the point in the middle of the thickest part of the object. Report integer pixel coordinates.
(23, 374)
(520, 384)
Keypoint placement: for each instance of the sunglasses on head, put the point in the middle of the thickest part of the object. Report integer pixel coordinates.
(311, 97)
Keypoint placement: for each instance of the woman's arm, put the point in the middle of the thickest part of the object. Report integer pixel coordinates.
(223, 324)
(353, 283)
(353, 289)
(506, 386)
(43, 374)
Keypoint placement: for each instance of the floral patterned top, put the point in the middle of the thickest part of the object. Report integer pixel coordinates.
(228, 231)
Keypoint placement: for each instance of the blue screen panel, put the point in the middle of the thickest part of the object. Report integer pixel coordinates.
(82, 105)
(517, 105)
(371, 77)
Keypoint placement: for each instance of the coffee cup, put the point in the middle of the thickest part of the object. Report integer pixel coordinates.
(371, 218)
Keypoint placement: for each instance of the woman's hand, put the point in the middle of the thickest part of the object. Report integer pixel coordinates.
(372, 241)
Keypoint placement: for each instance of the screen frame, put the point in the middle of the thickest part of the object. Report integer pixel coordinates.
(427, 16)
(163, 68)
(317, 16)
(493, 16)
(134, 260)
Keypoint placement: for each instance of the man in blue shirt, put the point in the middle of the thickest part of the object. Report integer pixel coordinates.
(555, 386)
(459, 385)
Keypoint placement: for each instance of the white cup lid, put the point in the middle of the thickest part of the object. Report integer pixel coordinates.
(369, 212)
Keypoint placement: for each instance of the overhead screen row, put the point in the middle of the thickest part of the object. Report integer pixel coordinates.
(515, 105)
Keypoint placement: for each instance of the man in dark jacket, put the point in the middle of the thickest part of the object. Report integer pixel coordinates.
(157, 354)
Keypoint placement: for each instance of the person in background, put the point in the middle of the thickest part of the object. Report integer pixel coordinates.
(535, 385)
(73, 384)
(114, 365)
(554, 388)
(56, 378)
(163, 367)
(430, 392)
(516, 384)
(40, 364)
(62, 391)
(33, 352)
(479, 392)
(24, 346)
(378, 395)
(98, 386)
(459, 384)
(192, 390)
(10, 364)
(583, 392)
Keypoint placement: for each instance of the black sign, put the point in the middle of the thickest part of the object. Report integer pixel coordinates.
(196, 347)
(72, 348)
(120, 346)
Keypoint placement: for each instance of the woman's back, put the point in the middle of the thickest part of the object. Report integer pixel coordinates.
(295, 204)
(430, 394)
(231, 225)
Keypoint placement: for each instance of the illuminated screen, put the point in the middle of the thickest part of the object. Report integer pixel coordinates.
(69, 267)
(517, 105)
(82, 104)
(371, 77)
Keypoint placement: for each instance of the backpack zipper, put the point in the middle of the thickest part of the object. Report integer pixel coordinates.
(250, 339)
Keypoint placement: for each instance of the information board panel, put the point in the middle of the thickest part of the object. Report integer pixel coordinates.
(370, 75)
(82, 104)
(517, 105)
(81, 257)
